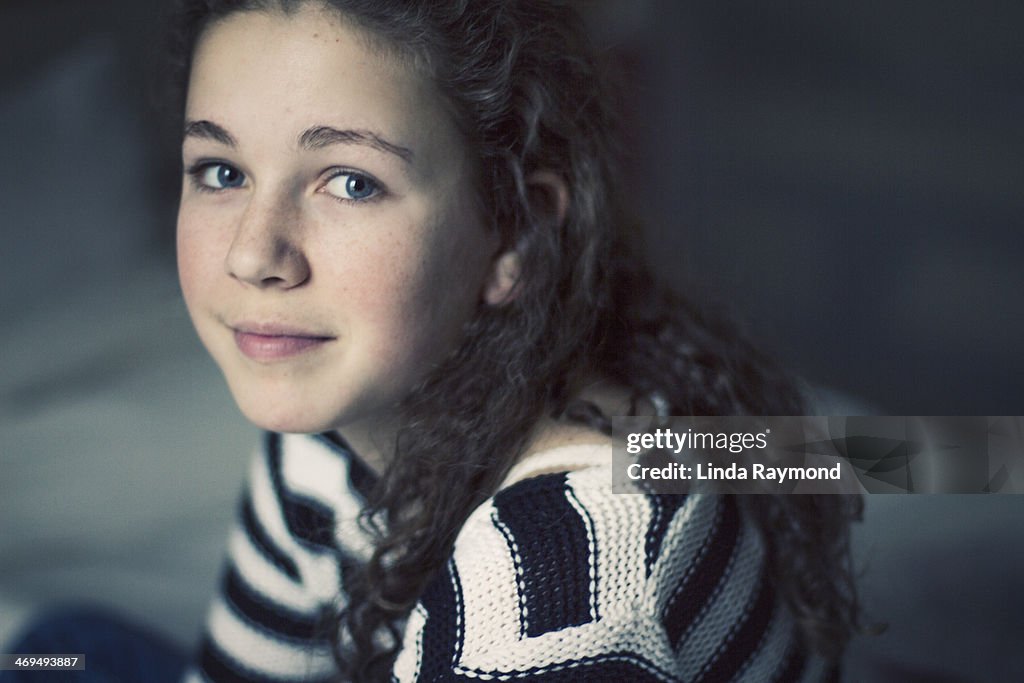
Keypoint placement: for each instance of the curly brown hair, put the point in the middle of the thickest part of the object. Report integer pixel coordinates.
(527, 92)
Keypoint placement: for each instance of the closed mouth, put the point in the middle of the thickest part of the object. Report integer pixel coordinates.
(267, 342)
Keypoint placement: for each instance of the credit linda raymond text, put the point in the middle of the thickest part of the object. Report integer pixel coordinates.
(818, 455)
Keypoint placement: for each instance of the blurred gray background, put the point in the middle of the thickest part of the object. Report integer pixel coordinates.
(846, 177)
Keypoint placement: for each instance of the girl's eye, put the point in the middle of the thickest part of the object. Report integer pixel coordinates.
(352, 186)
(218, 176)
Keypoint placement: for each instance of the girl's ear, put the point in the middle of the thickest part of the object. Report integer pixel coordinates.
(549, 199)
(501, 285)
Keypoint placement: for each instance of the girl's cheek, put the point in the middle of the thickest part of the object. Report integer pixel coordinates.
(203, 235)
(197, 252)
(188, 271)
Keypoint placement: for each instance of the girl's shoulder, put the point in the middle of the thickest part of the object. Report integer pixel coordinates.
(562, 446)
(573, 455)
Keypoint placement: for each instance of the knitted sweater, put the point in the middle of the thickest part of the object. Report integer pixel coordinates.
(554, 578)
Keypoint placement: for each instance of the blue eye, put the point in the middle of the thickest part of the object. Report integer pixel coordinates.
(217, 176)
(352, 186)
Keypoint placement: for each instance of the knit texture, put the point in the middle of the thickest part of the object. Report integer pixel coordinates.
(554, 578)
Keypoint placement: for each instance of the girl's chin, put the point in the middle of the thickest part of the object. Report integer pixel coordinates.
(286, 423)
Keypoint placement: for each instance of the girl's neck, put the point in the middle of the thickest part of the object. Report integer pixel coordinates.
(372, 441)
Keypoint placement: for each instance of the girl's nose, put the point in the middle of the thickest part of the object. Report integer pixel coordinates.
(267, 251)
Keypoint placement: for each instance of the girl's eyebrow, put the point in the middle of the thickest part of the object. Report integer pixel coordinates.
(316, 137)
(319, 137)
(208, 130)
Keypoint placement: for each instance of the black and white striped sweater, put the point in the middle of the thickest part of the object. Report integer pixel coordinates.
(555, 578)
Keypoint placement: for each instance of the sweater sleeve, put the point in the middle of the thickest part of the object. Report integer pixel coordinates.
(280, 581)
(558, 579)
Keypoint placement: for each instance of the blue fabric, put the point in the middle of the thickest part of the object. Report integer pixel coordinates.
(115, 650)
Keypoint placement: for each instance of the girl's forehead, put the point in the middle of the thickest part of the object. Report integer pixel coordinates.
(275, 74)
(305, 41)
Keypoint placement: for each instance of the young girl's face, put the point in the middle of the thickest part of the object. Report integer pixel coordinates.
(330, 245)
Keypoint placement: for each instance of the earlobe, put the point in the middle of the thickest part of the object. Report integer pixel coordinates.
(502, 287)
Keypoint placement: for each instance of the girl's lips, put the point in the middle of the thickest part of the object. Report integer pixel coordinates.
(264, 346)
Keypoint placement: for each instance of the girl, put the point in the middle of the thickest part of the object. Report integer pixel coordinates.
(400, 237)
